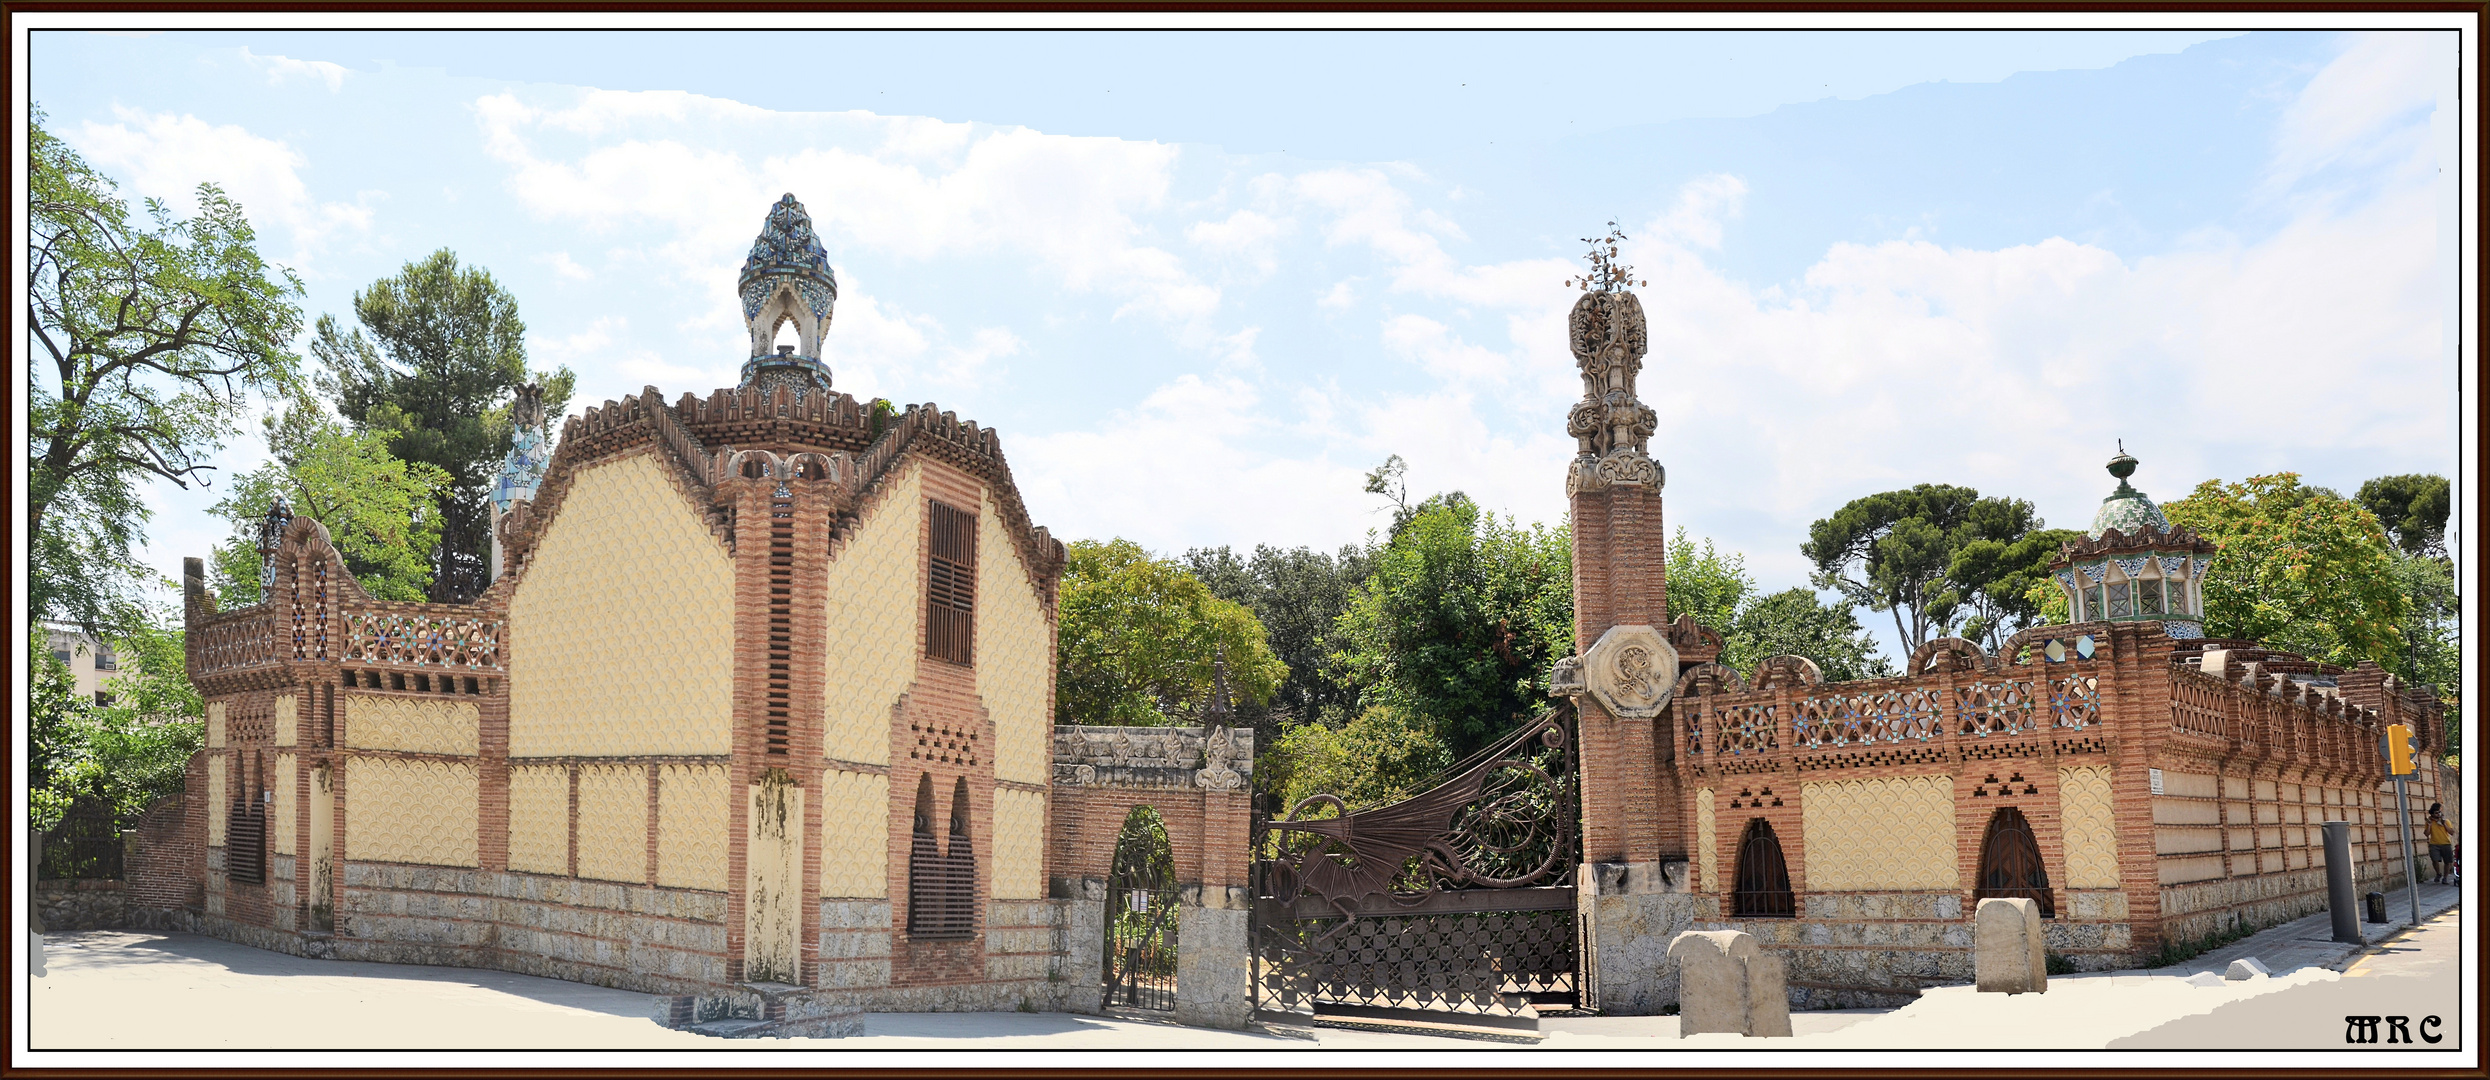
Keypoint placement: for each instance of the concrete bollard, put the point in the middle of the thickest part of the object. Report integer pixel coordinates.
(2007, 953)
(2245, 968)
(1726, 983)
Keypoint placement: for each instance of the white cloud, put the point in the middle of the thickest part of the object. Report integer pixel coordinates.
(564, 265)
(2364, 107)
(1702, 205)
(282, 69)
(166, 156)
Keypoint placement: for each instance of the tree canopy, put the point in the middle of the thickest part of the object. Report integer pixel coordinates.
(381, 513)
(1937, 556)
(1459, 620)
(2413, 508)
(1297, 594)
(132, 751)
(2298, 568)
(148, 334)
(1139, 638)
(1718, 591)
(433, 364)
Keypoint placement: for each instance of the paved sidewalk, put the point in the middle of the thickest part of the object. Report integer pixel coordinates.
(133, 990)
(2309, 941)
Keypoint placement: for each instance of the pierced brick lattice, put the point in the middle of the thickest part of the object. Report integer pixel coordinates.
(421, 640)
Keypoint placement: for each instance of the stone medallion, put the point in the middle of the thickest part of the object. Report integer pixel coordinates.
(1631, 670)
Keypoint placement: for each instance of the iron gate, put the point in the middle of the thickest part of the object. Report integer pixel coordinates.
(1141, 915)
(1454, 906)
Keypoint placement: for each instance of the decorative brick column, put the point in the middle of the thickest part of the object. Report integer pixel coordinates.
(1632, 880)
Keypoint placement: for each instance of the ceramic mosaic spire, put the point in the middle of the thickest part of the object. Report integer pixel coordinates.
(787, 279)
(2133, 565)
(524, 467)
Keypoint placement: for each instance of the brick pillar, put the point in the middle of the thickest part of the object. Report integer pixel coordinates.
(1632, 810)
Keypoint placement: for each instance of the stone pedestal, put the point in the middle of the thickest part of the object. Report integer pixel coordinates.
(1214, 969)
(2007, 952)
(1629, 912)
(1726, 983)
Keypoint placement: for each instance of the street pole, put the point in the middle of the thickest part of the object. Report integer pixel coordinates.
(2412, 879)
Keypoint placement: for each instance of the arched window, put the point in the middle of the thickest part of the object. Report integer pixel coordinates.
(942, 889)
(2010, 863)
(1763, 881)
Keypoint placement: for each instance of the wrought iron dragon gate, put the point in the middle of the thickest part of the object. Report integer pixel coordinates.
(1454, 906)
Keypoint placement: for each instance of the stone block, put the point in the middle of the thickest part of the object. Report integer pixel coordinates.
(2245, 968)
(1726, 983)
(1214, 982)
(1628, 944)
(2009, 956)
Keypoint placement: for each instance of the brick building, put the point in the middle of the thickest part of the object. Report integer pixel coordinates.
(2146, 785)
(762, 692)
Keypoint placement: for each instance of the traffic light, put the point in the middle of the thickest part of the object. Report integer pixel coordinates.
(2401, 750)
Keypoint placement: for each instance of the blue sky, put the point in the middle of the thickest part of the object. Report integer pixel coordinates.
(1202, 282)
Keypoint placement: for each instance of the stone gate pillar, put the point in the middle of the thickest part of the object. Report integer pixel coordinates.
(1632, 880)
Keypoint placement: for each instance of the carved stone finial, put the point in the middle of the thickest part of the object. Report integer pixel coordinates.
(787, 279)
(1611, 426)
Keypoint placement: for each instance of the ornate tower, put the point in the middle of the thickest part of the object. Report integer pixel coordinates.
(2134, 566)
(787, 279)
(1633, 833)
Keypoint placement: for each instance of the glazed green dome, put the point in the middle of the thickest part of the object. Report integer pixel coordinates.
(2126, 510)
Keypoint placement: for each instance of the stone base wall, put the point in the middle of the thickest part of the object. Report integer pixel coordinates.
(80, 905)
(2193, 911)
(1627, 914)
(1024, 945)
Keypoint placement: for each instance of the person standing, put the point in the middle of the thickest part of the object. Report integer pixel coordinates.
(2441, 845)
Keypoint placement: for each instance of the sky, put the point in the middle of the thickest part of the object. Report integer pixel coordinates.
(1202, 282)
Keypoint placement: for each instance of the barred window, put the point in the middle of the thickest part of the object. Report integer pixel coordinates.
(951, 586)
(1763, 881)
(942, 887)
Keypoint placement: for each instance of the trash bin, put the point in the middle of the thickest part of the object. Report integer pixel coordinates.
(2377, 906)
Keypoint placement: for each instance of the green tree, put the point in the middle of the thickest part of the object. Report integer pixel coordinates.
(1297, 594)
(1138, 641)
(1902, 551)
(2413, 508)
(148, 336)
(1990, 583)
(444, 351)
(1717, 590)
(2298, 568)
(132, 751)
(1458, 622)
(1379, 756)
(382, 513)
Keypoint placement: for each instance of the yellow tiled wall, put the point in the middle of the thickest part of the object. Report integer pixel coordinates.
(540, 819)
(413, 724)
(613, 822)
(216, 726)
(855, 834)
(692, 814)
(2091, 832)
(1885, 833)
(284, 719)
(622, 629)
(1707, 842)
(216, 787)
(281, 823)
(875, 592)
(411, 811)
(773, 881)
(1015, 655)
(1019, 844)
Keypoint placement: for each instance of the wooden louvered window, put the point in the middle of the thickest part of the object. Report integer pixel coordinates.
(246, 843)
(942, 888)
(951, 586)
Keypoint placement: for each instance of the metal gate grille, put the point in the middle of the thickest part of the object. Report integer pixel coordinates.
(2010, 864)
(1141, 915)
(85, 844)
(1454, 906)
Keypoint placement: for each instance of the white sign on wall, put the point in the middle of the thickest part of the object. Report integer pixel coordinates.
(2155, 775)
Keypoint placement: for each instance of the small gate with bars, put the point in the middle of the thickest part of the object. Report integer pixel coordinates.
(1453, 908)
(1141, 916)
